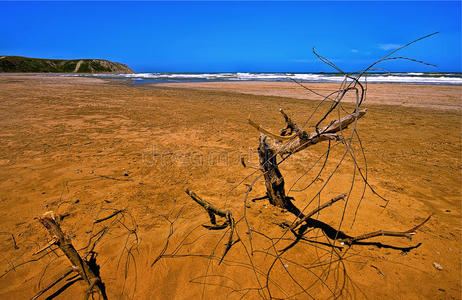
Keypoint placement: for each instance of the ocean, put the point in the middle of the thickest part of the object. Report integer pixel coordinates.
(403, 78)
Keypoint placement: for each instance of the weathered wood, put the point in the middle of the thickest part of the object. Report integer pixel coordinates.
(48, 220)
(212, 211)
(268, 133)
(304, 139)
(317, 209)
(274, 181)
(407, 234)
(207, 206)
(298, 140)
(290, 124)
(50, 243)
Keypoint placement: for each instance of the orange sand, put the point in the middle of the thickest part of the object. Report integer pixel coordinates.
(60, 135)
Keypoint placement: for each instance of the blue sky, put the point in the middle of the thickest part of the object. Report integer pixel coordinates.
(235, 36)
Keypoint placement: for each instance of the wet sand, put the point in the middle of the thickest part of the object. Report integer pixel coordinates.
(409, 95)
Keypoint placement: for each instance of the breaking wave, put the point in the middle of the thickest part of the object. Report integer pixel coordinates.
(411, 78)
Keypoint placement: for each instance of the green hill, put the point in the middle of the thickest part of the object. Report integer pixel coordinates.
(19, 64)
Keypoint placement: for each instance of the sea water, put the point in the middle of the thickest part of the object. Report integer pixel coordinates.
(404, 78)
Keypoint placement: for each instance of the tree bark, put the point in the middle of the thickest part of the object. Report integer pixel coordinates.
(273, 178)
(274, 181)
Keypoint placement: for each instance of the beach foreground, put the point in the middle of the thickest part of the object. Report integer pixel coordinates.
(85, 147)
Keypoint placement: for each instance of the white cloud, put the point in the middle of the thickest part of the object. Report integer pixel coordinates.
(354, 50)
(387, 47)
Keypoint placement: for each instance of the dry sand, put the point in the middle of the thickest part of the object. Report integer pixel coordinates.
(64, 141)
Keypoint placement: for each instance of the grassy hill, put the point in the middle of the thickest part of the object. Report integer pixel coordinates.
(19, 64)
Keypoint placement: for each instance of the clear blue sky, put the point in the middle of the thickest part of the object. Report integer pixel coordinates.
(235, 36)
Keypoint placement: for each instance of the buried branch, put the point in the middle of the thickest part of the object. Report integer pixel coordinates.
(81, 266)
(213, 212)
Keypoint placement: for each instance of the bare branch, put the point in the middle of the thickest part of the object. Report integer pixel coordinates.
(304, 140)
(212, 211)
(48, 220)
(264, 131)
(316, 210)
(407, 234)
(110, 216)
(54, 241)
(206, 205)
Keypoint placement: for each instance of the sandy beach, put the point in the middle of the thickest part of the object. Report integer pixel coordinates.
(85, 148)
(409, 95)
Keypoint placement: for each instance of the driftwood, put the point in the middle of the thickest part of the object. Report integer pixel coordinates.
(298, 140)
(213, 212)
(326, 270)
(316, 210)
(407, 234)
(81, 266)
(119, 211)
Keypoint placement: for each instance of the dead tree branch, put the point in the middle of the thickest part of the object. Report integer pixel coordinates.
(407, 234)
(110, 216)
(326, 263)
(48, 220)
(212, 211)
(316, 210)
(301, 139)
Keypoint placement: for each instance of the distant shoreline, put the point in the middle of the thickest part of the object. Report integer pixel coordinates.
(400, 78)
(132, 79)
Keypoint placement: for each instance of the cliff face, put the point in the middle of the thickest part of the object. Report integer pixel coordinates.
(19, 64)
